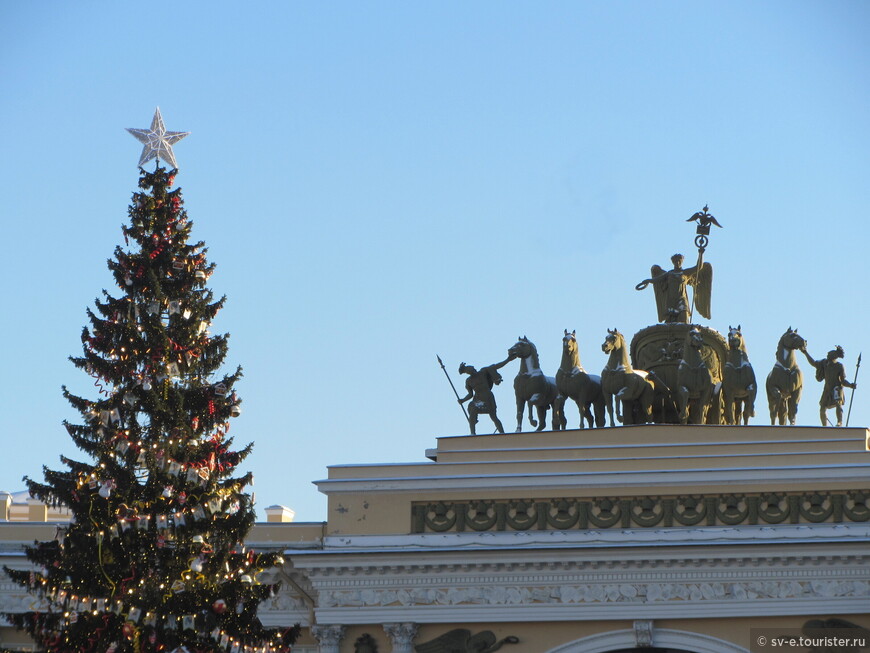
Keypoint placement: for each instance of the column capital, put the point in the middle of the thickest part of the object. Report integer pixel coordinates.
(328, 636)
(401, 636)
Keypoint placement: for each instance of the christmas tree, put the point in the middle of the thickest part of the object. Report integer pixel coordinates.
(153, 559)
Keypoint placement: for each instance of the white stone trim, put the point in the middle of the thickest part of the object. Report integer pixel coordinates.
(854, 475)
(708, 535)
(652, 444)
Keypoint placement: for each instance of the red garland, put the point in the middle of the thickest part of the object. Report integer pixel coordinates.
(93, 639)
(126, 580)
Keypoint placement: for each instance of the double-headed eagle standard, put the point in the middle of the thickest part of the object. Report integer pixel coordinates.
(669, 286)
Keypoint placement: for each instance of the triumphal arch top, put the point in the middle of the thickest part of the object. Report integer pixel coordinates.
(677, 526)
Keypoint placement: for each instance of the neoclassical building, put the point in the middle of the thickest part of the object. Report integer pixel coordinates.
(695, 539)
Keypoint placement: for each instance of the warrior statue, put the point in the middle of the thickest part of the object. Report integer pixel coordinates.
(672, 300)
(479, 385)
(831, 371)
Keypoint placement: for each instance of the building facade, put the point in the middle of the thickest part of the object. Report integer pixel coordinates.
(695, 539)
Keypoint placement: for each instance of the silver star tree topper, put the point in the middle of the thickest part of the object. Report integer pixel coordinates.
(158, 142)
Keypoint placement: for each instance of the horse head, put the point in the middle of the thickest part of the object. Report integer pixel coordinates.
(613, 342)
(523, 348)
(735, 338)
(694, 339)
(791, 340)
(569, 341)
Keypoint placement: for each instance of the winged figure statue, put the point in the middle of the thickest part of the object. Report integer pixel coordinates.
(670, 288)
(460, 640)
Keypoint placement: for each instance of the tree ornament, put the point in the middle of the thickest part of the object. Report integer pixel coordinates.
(219, 606)
(106, 488)
(158, 142)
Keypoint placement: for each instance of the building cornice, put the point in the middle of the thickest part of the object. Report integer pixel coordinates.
(805, 476)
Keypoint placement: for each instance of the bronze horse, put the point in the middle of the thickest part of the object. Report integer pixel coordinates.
(631, 388)
(739, 387)
(532, 387)
(694, 392)
(572, 382)
(785, 381)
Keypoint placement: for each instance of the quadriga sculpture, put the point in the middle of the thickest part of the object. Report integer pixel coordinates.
(532, 387)
(739, 387)
(572, 382)
(694, 392)
(631, 388)
(785, 381)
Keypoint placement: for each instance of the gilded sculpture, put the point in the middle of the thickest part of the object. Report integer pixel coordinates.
(785, 381)
(670, 288)
(675, 371)
(629, 389)
(831, 371)
(739, 387)
(532, 387)
(572, 382)
(694, 392)
(479, 385)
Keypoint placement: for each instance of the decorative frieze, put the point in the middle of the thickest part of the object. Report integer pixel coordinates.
(600, 593)
(644, 512)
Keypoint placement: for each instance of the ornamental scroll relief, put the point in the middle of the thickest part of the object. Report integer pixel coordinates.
(644, 512)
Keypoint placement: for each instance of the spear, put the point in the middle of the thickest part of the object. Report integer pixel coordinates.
(855, 381)
(440, 362)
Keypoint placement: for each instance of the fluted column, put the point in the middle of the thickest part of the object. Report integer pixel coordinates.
(401, 636)
(328, 637)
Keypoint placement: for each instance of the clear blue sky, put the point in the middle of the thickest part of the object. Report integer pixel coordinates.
(381, 182)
